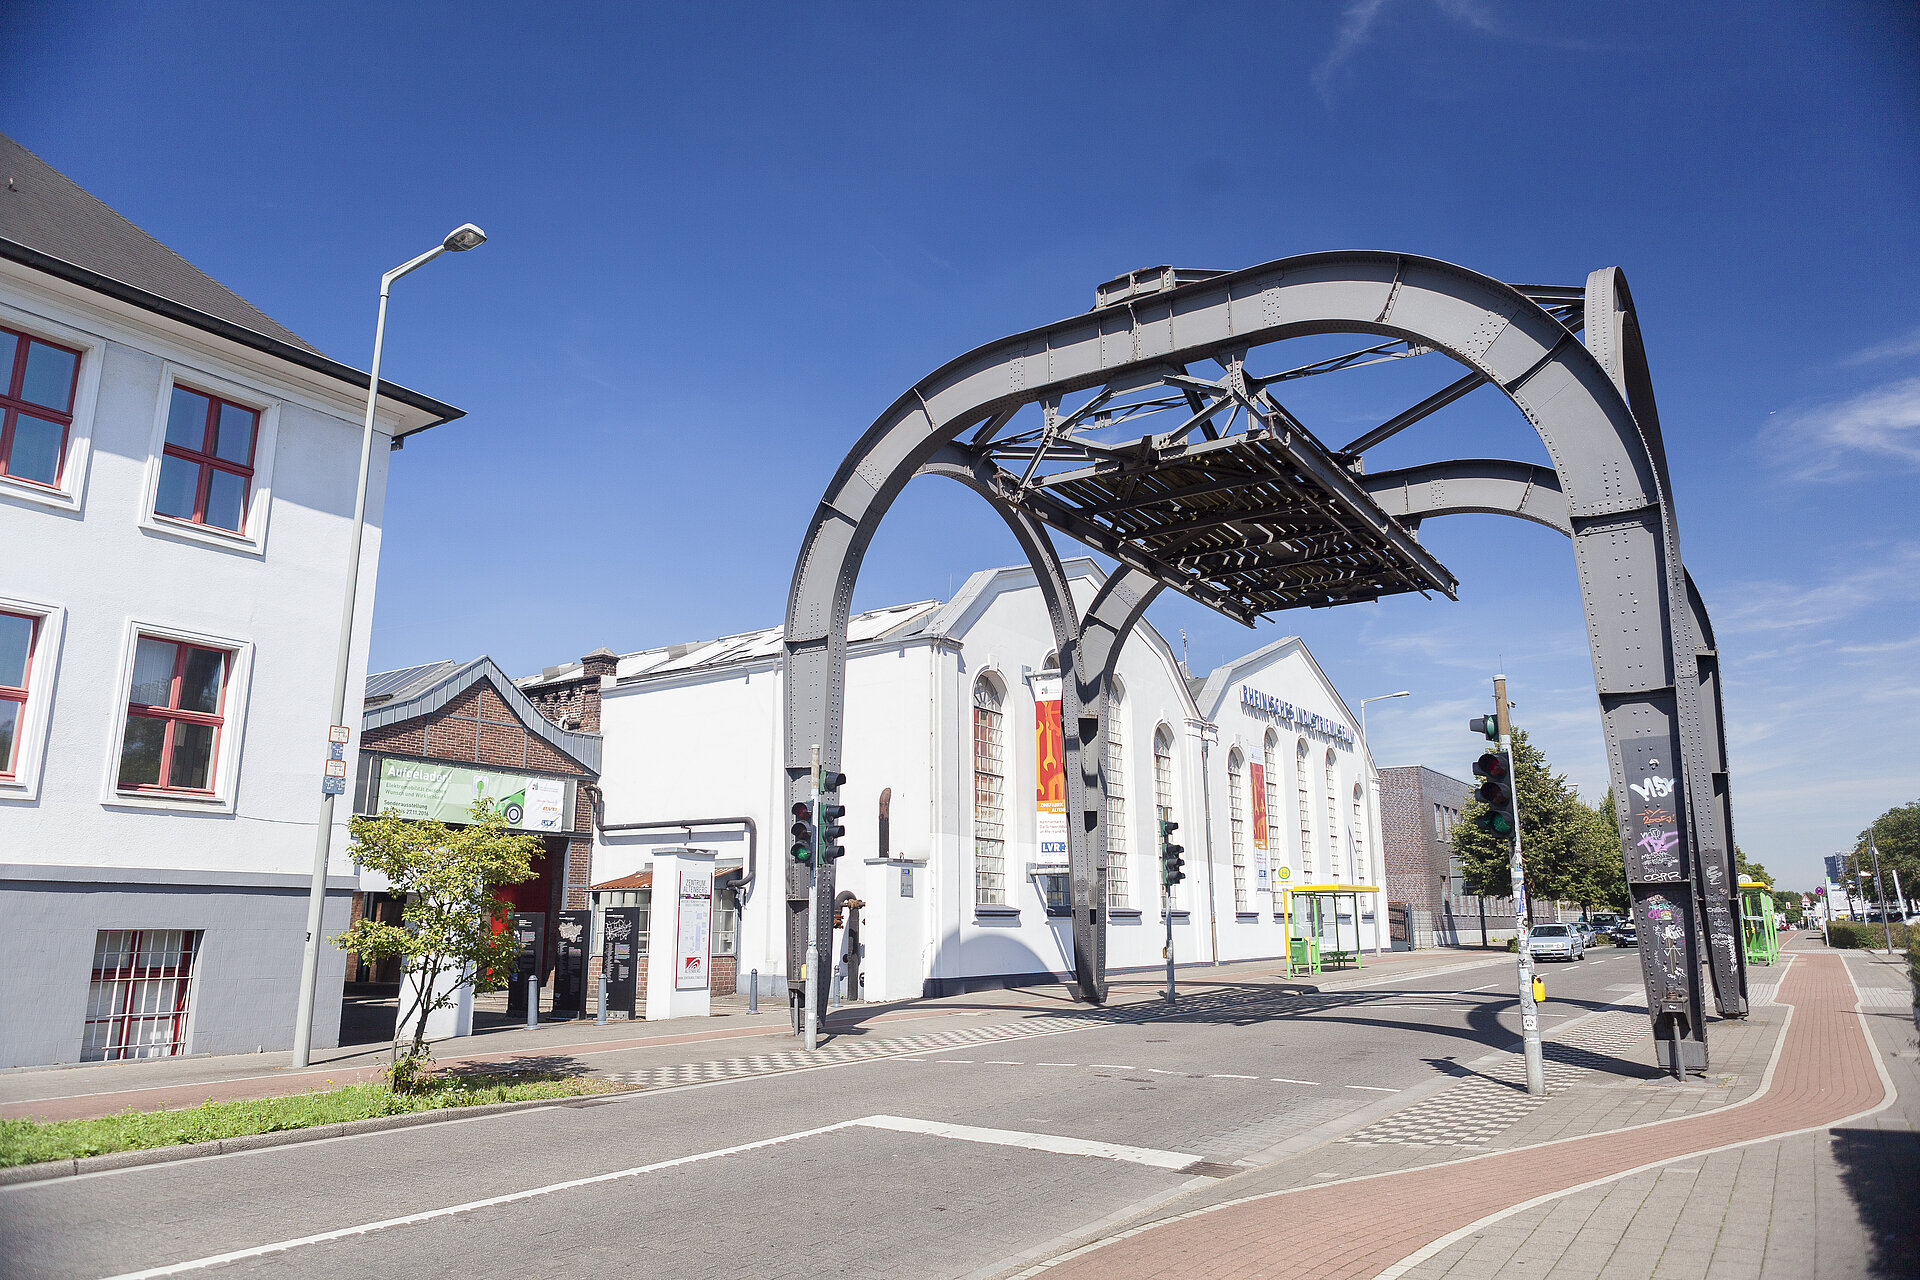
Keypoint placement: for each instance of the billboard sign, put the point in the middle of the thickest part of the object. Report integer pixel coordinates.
(1049, 771)
(446, 792)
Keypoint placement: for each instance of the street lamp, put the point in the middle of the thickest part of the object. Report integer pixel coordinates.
(1373, 784)
(459, 240)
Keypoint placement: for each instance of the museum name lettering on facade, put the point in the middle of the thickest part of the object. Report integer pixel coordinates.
(1266, 704)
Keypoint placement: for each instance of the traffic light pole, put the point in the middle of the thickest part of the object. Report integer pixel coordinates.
(1529, 1010)
(1166, 909)
(810, 1008)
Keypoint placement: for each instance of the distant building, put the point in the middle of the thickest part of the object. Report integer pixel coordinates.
(177, 476)
(1425, 888)
(954, 843)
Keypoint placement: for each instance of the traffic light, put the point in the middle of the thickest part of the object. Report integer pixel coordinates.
(1496, 793)
(832, 832)
(802, 832)
(1170, 860)
(1487, 727)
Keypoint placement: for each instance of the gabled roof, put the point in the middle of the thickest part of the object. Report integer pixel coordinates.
(410, 692)
(52, 224)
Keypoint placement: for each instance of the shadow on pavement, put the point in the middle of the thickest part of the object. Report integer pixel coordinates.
(1881, 1171)
(544, 1064)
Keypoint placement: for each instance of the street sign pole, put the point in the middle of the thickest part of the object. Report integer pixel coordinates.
(1880, 890)
(1529, 1010)
(811, 1000)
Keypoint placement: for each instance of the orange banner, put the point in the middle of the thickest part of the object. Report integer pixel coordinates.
(1259, 775)
(1049, 771)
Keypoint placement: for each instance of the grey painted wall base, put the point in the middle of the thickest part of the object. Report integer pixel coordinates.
(245, 979)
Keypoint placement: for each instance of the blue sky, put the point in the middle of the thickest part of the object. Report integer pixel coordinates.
(725, 237)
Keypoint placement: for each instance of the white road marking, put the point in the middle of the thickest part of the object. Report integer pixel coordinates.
(1110, 1066)
(1490, 986)
(1284, 1080)
(962, 1061)
(368, 1228)
(1370, 1088)
(1034, 1141)
(998, 1062)
(1157, 1071)
(1056, 1064)
(1222, 1075)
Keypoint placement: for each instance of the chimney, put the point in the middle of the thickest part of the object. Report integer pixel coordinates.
(601, 662)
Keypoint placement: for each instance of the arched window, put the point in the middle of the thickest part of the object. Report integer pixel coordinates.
(1303, 809)
(1270, 779)
(1163, 792)
(1361, 866)
(1237, 828)
(1119, 881)
(989, 793)
(1333, 818)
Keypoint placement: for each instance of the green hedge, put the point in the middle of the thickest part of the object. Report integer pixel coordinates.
(1852, 935)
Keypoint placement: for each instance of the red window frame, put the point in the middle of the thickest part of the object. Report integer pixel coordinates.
(19, 693)
(11, 406)
(208, 461)
(174, 716)
(121, 1016)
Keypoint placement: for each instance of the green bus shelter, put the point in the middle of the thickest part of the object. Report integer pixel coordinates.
(1317, 929)
(1757, 923)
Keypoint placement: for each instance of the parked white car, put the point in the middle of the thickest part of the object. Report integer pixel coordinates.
(1556, 942)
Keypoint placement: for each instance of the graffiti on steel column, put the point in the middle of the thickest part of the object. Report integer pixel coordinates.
(1654, 807)
(1663, 929)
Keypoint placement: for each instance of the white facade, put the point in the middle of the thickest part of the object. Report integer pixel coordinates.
(693, 734)
(96, 571)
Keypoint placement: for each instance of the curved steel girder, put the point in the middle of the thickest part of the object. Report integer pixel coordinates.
(1494, 486)
(1086, 858)
(1626, 542)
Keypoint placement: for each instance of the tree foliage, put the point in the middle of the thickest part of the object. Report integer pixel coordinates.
(1896, 833)
(446, 933)
(1570, 849)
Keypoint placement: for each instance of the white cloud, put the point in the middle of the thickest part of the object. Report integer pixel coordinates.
(1356, 25)
(1837, 439)
(1892, 349)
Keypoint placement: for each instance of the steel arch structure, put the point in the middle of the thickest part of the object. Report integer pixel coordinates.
(1241, 508)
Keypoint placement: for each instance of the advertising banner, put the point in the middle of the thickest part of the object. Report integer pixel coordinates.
(1262, 882)
(696, 919)
(446, 792)
(1049, 771)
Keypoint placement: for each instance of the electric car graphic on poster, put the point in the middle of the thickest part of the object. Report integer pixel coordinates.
(420, 789)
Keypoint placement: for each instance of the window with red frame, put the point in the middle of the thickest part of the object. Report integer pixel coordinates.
(137, 1002)
(37, 380)
(174, 714)
(17, 634)
(207, 471)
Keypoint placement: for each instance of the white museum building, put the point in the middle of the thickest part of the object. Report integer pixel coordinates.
(1258, 763)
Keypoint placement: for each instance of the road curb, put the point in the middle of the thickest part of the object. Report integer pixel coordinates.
(113, 1160)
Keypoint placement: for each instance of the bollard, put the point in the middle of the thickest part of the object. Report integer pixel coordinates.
(753, 992)
(533, 1001)
(601, 1021)
(838, 972)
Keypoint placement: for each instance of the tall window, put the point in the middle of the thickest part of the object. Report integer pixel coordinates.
(1361, 864)
(174, 713)
(208, 468)
(17, 634)
(1271, 779)
(1119, 882)
(137, 1003)
(1333, 818)
(37, 381)
(1237, 827)
(989, 794)
(1163, 794)
(726, 925)
(1303, 807)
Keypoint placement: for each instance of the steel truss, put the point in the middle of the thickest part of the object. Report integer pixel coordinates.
(1205, 483)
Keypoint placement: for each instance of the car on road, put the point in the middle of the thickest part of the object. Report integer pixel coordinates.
(1556, 942)
(1626, 934)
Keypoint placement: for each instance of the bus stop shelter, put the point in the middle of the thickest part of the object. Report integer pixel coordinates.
(1757, 923)
(1315, 932)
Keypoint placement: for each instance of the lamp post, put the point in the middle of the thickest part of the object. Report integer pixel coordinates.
(461, 238)
(1373, 781)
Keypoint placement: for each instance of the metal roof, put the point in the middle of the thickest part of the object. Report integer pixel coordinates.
(423, 690)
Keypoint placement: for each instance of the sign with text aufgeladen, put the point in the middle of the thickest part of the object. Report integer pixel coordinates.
(428, 789)
(1049, 771)
(696, 917)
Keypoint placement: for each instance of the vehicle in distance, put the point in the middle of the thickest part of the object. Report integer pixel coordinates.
(1626, 934)
(1556, 942)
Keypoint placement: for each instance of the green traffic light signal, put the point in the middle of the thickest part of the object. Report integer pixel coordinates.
(1170, 860)
(802, 829)
(1487, 727)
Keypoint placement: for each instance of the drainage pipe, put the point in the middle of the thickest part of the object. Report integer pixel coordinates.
(745, 886)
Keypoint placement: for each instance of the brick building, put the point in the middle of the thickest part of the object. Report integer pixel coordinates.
(1425, 892)
(437, 736)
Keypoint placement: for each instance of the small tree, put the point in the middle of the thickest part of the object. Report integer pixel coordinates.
(1572, 851)
(446, 935)
(1896, 833)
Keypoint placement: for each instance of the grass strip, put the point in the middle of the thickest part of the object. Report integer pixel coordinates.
(30, 1141)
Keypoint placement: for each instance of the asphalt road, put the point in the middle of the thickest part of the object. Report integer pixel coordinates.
(910, 1160)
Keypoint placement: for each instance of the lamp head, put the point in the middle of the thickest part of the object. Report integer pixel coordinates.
(464, 237)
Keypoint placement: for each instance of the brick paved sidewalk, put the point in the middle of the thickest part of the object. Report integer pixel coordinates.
(1824, 1071)
(81, 1092)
